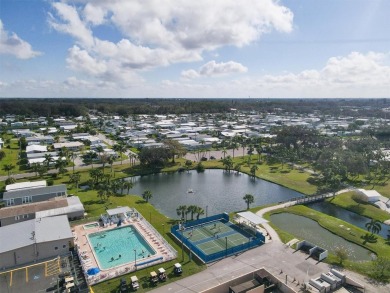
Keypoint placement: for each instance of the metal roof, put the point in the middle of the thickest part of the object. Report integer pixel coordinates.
(16, 236)
(34, 231)
(73, 206)
(52, 228)
(253, 218)
(34, 191)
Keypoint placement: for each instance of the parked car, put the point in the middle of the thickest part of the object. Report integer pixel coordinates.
(134, 283)
(203, 159)
(153, 278)
(161, 275)
(123, 285)
(212, 158)
(177, 270)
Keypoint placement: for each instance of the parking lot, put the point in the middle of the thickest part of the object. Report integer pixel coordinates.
(40, 277)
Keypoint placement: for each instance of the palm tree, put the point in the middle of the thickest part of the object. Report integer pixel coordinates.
(8, 168)
(191, 210)
(253, 170)
(60, 165)
(224, 151)
(35, 168)
(234, 146)
(73, 157)
(228, 163)
(128, 185)
(181, 211)
(75, 179)
(48, 160)
(199, 211)
(237, 168)
(120, 148)
(146, 195)
(110, 160)
(374, 226)
(248, 198)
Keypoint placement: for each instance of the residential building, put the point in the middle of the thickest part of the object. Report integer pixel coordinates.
(29, 195)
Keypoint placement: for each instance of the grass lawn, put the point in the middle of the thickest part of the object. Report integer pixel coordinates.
(338, 227)
(290, 178)
(11, 157)
(349, 202)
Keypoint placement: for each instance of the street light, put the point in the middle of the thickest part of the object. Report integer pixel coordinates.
(182, 244)
(206, 210)
(226, 247)
(135, 259)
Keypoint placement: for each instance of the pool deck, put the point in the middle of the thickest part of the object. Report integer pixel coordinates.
(88, 259)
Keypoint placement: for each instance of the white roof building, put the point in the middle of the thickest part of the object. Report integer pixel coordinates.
(25, 185)
(35, 148)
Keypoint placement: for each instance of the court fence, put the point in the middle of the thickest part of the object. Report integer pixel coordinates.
(177, 230)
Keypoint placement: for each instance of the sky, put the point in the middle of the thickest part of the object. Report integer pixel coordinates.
(195, 49)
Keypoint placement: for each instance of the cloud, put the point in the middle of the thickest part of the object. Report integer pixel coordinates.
(68, 21)
(154, 35)
(354, 75)
(213, 68)
(11, 44)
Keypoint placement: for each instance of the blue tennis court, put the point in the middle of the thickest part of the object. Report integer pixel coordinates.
(215, 237)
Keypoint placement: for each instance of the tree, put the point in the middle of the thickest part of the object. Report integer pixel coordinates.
(188, 165)
(96, 175)
(191, 210)
(73, 157)
(146, 195)
(61, 166)
(42, 170)
(75, 179)
(8, 168)
(154, 157)
(175, 148)
(89, 157)
(2, 155)
(224, 152)
(341, 253)
(110, 160)
(181, 211)
(199, 211)
(228, 163)
(248, 198)
(48, 160)
(120, 148)
(128, 185)
(253, 170)
(237, 168)
(381, 266)
(35, 168)
(374, 226)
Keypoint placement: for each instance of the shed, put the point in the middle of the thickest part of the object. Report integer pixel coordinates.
(369, 195)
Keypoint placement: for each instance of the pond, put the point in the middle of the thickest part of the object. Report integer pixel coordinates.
(310, 230)
(347, 216)
(215, 191)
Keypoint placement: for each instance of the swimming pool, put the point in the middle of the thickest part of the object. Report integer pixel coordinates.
(91, 225)
(119, 246)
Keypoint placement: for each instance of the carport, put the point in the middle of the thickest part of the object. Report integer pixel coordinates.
(250, 219)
